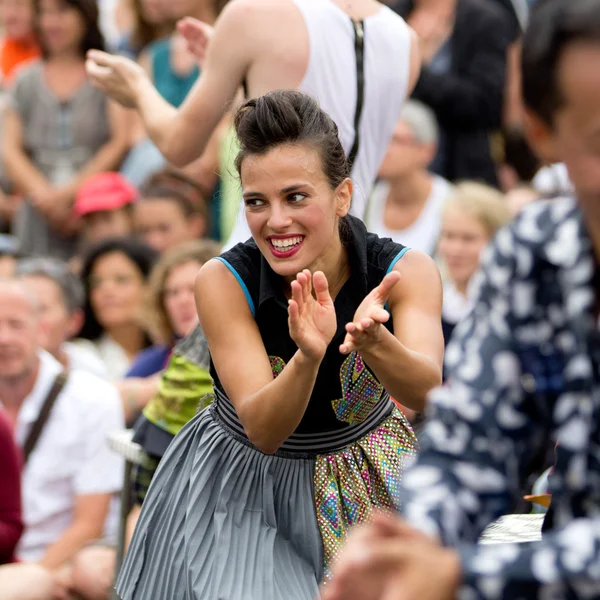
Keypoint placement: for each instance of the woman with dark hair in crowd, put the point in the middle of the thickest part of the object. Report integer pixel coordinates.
(59, 130)
(115, 274)
(254, 497)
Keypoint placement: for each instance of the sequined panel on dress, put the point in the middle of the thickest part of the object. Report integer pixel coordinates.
(360, 391)
(350, 483)
(277, 365)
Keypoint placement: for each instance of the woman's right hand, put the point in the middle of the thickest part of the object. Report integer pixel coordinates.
(197, 35)
(312, 321)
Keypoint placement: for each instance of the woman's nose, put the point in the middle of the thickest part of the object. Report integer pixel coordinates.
(279, 218)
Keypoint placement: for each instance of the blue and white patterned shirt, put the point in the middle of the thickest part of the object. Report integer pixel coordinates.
(524, 373)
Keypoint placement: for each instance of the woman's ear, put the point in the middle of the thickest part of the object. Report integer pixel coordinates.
(343, 196)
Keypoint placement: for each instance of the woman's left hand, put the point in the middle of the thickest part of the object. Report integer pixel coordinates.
(116, 76)
(365, 328)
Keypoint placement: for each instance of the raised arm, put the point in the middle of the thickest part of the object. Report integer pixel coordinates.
(269, 408)
(408, 362)
(182, 134)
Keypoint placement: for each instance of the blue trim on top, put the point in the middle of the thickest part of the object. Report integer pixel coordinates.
(392, 264)
(242, 284)
(396, 259)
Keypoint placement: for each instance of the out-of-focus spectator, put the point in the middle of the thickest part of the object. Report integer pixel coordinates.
(59, 130)
(19, 44)
(71, 475)
(171, 315)
(470, 219)
(171, 308)
(406, 204)
(143, 22)
(9, 252)
(519, 197)
(60, 297)
(11, 525)
(104, 205)
(464, 47)
(115, 276)
(171, 210)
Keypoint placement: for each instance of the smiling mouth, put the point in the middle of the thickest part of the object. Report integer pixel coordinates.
(285, 247)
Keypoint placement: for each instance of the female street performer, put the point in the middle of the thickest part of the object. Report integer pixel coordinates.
(311, 326)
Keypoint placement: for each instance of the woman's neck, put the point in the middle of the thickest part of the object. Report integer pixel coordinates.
(411, 191)
(129, 336)
(65, 60)
(205, 12)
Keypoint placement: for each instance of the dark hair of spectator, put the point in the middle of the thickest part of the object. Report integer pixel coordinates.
(58, 272)
(92, 37)
(290, 117)
(553, 26)
(186, 193)
(137, 252)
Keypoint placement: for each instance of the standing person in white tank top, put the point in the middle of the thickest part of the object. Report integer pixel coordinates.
(311, 45)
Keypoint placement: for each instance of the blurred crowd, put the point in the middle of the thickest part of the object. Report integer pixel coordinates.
(102, 238)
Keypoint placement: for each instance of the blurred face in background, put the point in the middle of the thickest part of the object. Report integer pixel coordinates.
(16, 17)
(154, 12)
(162, 224)
(58, 325)
(116, 290)
(103, 224)
(62, 27)
(462, 240)
(405, 154)
(19, 333)
(178, 297)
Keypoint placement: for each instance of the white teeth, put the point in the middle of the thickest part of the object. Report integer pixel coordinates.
(287, 243)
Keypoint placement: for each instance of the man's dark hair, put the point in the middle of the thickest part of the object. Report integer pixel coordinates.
(554, 25)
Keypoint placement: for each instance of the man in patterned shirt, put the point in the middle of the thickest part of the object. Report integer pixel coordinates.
(525, 372)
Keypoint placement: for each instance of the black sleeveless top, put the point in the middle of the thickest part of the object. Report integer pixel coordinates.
(345, 391)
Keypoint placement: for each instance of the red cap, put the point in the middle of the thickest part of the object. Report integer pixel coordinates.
(104, 191)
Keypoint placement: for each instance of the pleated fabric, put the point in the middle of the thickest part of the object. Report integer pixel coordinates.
(223, 521)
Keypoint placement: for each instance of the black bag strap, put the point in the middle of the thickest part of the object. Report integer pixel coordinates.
(359, 47)
(40, 422)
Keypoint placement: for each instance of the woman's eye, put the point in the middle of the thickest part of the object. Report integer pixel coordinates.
(296, 197)
(253, 202)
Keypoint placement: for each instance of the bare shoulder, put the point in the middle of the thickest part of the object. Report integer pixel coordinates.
(420, 276)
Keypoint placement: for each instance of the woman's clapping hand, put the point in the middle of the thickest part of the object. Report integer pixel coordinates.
(365, 328)
(311, 319)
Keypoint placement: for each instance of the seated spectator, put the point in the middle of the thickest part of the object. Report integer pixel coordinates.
(11, 525)
(58, 129)
(171, 315)
(104, 205)
(171, 210)
(470, 219)
(464, 46)
(71, 475)
(9, 252)
(19, 44)
(171, 308)
(115, 274)
(60, 299)
(406, 204)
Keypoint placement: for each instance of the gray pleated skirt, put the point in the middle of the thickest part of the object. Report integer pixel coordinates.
(223, 521)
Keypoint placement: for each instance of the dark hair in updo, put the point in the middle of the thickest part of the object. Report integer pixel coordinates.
(290, 117)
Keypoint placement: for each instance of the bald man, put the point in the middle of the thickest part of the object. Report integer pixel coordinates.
(71, 474)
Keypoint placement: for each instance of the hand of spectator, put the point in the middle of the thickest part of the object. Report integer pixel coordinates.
(365, 328)
(198, 35)
(117, 76)
(9, 203)
(62, 584)
(387, 560)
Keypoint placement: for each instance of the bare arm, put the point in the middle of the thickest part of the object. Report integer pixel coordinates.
(21, 170)
(182, 134)
(408, 363)
(88, 524)
(269, 409)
